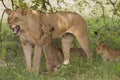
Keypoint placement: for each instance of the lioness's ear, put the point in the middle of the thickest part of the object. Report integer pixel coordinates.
(24, 11)
(8, 11)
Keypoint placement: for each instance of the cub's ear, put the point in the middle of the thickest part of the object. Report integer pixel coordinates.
(25, 11)
(8, 11)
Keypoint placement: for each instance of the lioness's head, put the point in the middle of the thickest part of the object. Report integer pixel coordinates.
(16, 18)
(100, 48)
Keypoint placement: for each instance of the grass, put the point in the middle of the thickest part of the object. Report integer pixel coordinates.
(78, 69)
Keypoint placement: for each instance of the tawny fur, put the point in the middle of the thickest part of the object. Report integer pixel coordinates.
(53, 55)
(30, 32)
(107, 52)
(78, 52)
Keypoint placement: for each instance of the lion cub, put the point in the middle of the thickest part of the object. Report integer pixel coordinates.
(107, 52)
(78, 52)
(53, 55)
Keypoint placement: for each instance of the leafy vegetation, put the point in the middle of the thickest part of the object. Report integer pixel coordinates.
(101, 28)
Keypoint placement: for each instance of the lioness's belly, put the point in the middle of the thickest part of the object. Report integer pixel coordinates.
(58, 34)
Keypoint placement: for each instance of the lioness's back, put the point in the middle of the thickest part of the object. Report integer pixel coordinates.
(60, 16)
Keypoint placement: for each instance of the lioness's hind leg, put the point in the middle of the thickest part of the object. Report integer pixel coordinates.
(84, 43)
(66, 45)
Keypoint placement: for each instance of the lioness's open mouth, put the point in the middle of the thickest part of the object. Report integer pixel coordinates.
(16, 29)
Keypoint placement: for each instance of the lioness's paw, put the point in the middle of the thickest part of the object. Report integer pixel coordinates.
(66, 62)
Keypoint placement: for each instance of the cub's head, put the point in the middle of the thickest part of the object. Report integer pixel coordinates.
(16, 18)
(47, 28)
(100, 48)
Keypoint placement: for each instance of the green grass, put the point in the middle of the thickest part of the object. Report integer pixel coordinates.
(78, 69)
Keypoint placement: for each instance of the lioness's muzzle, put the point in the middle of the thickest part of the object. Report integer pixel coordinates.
(15, 29)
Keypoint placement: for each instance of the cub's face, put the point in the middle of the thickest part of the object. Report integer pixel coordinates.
(16, 18)
(100, 48)
(47, 28)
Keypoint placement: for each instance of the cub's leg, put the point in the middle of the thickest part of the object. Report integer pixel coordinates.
(36, 58)
(84, 42)
(50, 67)
(27, 49)
(66, 45)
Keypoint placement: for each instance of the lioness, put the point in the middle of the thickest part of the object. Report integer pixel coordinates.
(27, 24)
(107, 52)
(53, 55)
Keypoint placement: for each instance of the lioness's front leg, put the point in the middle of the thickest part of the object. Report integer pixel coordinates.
(36, 58)
(66, 45)
(27, 48)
